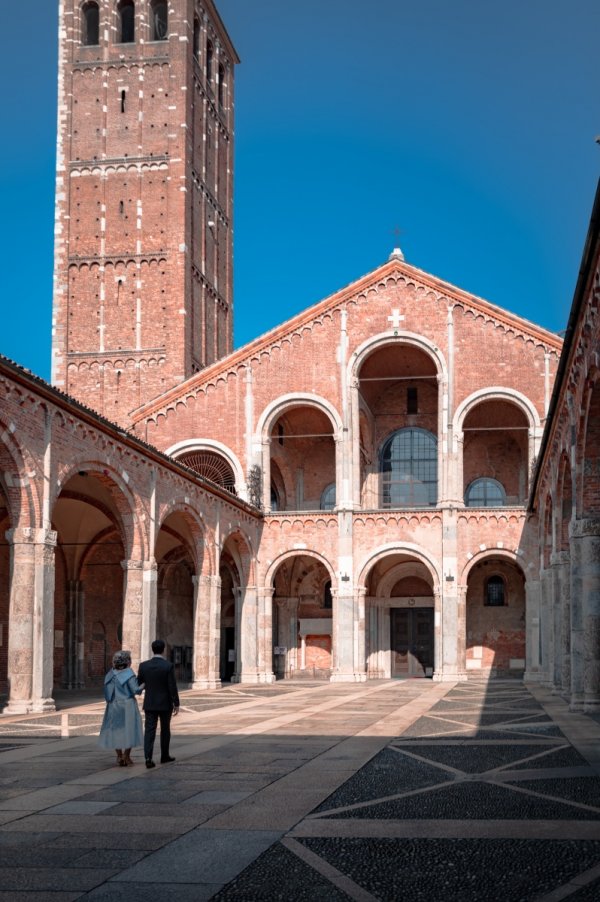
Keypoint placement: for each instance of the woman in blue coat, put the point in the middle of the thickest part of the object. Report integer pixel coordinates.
(122, 725)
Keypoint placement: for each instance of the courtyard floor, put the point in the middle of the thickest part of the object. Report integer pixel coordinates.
(387, 790)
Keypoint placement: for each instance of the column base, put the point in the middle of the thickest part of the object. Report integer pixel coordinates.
(348, 678)
(451, 676)
(532, 676)
(43, 705)
(591, 706)
(205, 684)
(576, 705)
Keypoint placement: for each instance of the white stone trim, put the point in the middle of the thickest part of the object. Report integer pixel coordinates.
(296, 399)
(496, 393)
(299, 552)
(401, 548)
(364, 350)
(208, 444)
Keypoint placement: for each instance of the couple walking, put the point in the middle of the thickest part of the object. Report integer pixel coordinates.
(122, 725)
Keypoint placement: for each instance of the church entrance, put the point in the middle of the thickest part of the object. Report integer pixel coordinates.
(411, 635)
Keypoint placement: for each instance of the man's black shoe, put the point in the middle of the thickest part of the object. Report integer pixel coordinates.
(166, 760)
(150, 763)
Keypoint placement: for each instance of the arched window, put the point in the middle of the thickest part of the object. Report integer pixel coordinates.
(209, 60)
(221, 84)
(485, 492)
(196, 37)
(328, 498)
(409, 469)
(494, 592)
(90, 24)
(159, 22)
(212, 466)
(126, 24)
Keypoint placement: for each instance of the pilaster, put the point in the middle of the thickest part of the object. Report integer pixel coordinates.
(207, 632)
(133, 607)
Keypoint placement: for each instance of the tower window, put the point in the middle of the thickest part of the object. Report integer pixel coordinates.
(159, 21)
(90, 24)
(196, 37)
(221, 85)
(209, 60)
(494, 592)
(412, 400)
(123, 98)
(126, 24)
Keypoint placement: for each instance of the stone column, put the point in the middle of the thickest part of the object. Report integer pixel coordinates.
(585, 537)
(577, 619)
(207, 632)
(246, 634)
(74, 635)
(565, 598)
(438, 636)
(355, 420)
(133, 605)
(31, 620)
(265, 634)
(532, 630)
(149, 607)
(560, 575)
(461, 636)
(546, 627)
(348, 636)
(266, 474)
(288, 633)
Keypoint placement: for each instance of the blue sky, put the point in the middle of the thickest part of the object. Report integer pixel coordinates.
(470, 125)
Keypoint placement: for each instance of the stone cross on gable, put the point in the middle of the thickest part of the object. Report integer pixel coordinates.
(395, 319)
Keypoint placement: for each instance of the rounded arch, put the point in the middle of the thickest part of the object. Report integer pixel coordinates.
(402, 570)
(294, 552)
(375, 342)
(135, 540)
(491, 553)
(21, 492)
(197, 527)
(406, 548)
(276, 408)
(496, 393)
(206, 444)
(239, 546)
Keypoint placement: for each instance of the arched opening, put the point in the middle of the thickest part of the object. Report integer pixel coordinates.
(398, 405)
(400, 621)
(495, 455)
(126, 22)
(159, 20)
(5, 525)
(90, 24)
(495, 618)
(302, 619)
(211, 465)
(302, 452)
(88, 598)
(175, 600)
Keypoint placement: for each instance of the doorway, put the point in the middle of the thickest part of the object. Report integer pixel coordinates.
(411, 632)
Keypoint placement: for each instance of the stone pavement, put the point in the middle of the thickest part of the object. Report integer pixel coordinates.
(311, 791)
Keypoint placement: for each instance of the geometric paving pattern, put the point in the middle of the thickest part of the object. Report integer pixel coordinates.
(454, 787)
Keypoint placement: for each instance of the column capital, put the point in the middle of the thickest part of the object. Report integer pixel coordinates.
(584, 526)
(132, 565)
(30, 536)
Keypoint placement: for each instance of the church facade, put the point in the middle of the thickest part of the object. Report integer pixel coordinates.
(345, 498)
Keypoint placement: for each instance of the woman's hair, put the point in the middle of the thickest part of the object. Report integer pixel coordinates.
(121, 660)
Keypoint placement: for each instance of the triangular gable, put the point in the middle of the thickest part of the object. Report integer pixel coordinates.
(392, 268)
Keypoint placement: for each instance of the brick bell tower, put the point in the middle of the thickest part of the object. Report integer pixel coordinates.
(143, 236)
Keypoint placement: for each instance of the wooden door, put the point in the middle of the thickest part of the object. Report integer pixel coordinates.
(412, 642)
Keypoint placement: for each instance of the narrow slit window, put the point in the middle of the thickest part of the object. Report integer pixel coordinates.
(221, 85)
(123, 98)
(412, 400)
(196, 37)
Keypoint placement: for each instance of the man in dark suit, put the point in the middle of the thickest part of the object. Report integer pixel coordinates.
(161, 700)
